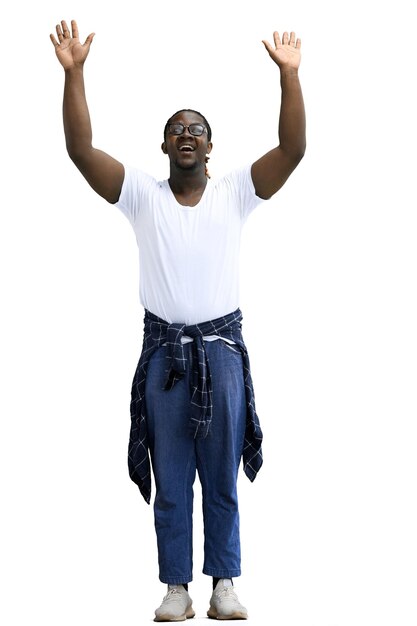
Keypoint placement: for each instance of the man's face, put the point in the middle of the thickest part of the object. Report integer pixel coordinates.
(187, 151)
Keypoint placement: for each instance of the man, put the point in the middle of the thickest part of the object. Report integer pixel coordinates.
(192, 402)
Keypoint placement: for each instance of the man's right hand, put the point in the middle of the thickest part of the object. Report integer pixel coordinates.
(69, 50)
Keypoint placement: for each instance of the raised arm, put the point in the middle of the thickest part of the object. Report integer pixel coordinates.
(103, 173)
(271, 171)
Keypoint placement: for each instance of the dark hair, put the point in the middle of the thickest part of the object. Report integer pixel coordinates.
(189, 111)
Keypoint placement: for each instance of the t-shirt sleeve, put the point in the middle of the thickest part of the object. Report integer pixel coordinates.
(244, 188)
(135, 188)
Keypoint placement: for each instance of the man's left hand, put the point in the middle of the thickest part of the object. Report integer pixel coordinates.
(286, 54)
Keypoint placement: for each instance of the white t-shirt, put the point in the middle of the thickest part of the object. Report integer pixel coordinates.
(188, 256)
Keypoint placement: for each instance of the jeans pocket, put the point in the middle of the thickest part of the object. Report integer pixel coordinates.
(229, 347)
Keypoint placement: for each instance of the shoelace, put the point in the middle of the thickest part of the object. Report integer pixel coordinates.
(226, 592)
(170, 595)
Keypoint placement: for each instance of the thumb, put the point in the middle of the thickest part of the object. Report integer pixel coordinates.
(89, 39)
(268, 46)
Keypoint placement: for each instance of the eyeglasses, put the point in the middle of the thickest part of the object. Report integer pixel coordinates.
(194, 129)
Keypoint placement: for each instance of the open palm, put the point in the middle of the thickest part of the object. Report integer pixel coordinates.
(69, 50)
(286, 54)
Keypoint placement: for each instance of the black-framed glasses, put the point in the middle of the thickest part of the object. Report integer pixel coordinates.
(193, 129)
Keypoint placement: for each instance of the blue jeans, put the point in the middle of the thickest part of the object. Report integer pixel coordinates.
(176, 456)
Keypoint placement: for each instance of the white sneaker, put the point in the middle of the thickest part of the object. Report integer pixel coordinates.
(176, 606)
(224, 603)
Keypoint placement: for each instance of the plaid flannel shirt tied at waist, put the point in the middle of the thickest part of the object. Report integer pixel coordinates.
(158, 332)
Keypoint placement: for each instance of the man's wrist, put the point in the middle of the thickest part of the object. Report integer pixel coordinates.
(75, 69)
(289, 72)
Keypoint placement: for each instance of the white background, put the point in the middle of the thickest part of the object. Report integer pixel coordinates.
(328, 295)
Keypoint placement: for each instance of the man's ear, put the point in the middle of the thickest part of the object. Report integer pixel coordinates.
(164, 147)
(209, 147)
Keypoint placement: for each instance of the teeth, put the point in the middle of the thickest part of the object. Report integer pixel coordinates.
(186, 147)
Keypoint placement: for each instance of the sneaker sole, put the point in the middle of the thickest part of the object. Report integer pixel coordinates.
(181, 618)
(212, 613)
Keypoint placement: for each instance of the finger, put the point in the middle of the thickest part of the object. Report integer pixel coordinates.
(285, 38)
(65, 30)
(292, 38)
(59, 32)
(298, 44)
(54, 41)
(74, 29)
(277, 39)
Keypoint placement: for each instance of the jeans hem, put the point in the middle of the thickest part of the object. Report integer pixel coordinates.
(175, 580)
(221, 573)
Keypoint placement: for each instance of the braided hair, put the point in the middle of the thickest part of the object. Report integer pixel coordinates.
(205, 122)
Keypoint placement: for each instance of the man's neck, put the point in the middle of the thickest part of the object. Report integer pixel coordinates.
(188, 190)
(184, 182)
